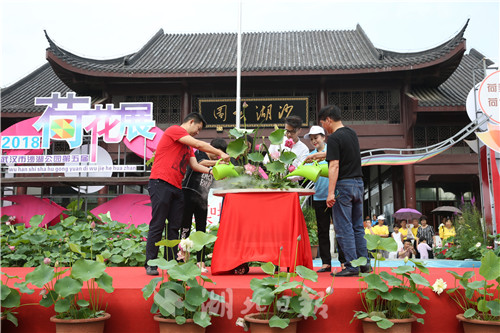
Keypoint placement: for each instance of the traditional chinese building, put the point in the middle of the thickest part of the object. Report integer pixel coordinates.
(391, 99)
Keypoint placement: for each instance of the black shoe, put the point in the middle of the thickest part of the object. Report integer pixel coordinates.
(366, 268)
(152, 270)
(345, 272)
(324, 269)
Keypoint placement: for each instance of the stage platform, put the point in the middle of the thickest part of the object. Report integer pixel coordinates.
(130, 313)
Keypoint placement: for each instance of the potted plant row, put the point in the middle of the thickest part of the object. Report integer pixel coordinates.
(179, 294)
(283, 299)
(78, 309)
(390, 300)
(478, 299)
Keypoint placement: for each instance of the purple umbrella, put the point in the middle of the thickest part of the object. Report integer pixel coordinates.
(407, 214)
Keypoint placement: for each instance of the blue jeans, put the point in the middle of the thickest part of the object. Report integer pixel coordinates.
(348, 219)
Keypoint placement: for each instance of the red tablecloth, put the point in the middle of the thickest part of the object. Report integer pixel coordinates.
(253, 227)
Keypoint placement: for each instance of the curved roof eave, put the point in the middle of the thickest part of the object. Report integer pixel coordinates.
(57, 55)
(459, 36)
(93, 73)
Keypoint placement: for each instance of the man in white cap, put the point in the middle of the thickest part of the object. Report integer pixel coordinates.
(381, 229)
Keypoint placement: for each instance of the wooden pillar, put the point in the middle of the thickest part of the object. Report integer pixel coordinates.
(21, 190)
(102, 191)
(186, 101)
(397, 188)
(410, 188)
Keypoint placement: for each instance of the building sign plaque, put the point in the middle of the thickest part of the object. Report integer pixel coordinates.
(261, 112)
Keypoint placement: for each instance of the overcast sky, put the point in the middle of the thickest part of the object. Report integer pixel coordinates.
(103, 29)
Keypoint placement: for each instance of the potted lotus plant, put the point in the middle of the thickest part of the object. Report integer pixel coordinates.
(283, 299)
(390, 299)
(11, 298)
(478, 299)
(179, 294)
(63, 289)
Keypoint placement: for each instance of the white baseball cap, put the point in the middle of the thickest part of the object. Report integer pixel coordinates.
(315, 130)
(381, 217)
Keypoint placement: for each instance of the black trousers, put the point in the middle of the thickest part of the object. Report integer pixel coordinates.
(167, 203)
(195, 205)
(323, 218)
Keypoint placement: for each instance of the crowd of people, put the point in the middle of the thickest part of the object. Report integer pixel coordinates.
(416, 239)
(181, 178)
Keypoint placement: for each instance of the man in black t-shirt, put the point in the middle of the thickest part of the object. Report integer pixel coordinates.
(345, 188)
(195, 187)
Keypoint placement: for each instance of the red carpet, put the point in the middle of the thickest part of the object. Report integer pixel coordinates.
(130, 312)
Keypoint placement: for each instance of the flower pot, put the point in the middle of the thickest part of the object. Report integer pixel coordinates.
(258, 325)
(90, 325)
(170, 326)
(476, 325)
(400, 325)
(314, 251)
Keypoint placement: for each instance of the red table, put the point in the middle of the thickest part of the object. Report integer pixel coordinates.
(254, 224)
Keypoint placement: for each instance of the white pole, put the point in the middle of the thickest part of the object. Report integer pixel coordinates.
(238, 70)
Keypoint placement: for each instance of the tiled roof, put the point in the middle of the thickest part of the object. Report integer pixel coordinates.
(454, 91)
(169, 54)
(20, 96)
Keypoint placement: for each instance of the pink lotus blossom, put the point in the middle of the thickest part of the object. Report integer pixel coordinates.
(291, 168)
(180, 255)
(289, 143)
(7, 223)
(46, 261)
(12, 247)
(144, 239)
(92, 225)
(245, 105)
(127, 238)
(257, 147)
(275, 155)
(263, 174)
(250, 169)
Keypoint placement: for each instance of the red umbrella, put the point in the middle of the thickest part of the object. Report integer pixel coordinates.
(127, 208)
(137, 144)
(28, 206)
(407, 214)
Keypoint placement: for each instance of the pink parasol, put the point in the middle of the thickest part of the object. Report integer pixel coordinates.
(137, 144)
(28, 206)
(407, 214)
(23, 128)
(127, 208)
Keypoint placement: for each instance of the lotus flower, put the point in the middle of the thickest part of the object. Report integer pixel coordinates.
(439, 286)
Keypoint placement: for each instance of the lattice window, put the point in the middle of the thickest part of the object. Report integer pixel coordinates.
(419, 137)
(166, 108)
(430, 135)
(367, 107)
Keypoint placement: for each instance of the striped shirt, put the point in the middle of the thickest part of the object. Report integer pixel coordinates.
(427, 233)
